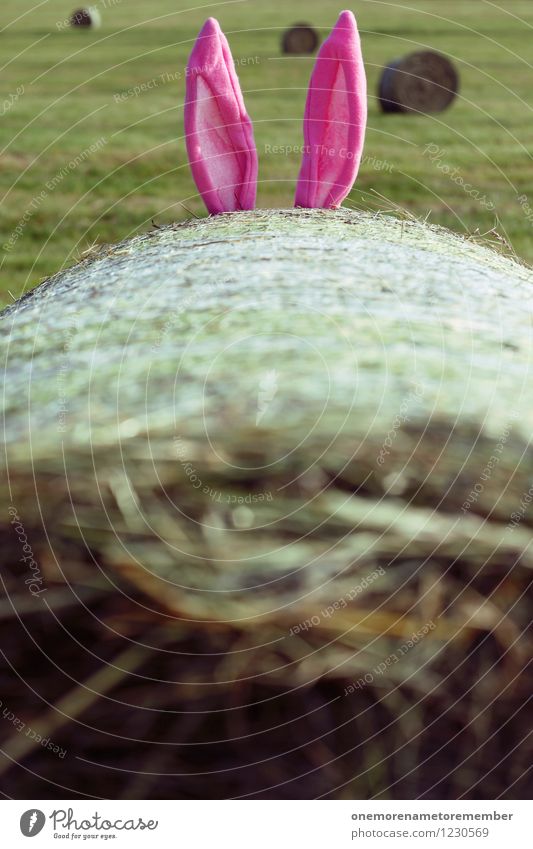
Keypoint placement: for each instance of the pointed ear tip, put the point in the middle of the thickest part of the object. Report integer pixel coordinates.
(346, 19)
(206, 44)
(211, 27)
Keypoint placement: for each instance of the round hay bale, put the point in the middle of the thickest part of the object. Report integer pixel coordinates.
(269, 471)
(300, 39)
(87, 18)
(421, 82)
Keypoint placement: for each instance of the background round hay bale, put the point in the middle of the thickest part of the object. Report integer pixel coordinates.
(86, 18)
(421, 82)
(300, 39)
(267, 465)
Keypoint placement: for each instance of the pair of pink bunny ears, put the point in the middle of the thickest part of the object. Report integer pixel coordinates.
(219, 133)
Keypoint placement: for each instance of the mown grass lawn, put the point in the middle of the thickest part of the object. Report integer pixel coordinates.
(115, 163)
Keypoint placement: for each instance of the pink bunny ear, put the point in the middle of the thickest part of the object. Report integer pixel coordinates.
(218, 132)
(335, 119)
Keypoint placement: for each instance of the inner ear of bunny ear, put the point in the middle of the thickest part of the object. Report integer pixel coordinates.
(330, 161)
(218, 131)
(336, 137)
(224, 166)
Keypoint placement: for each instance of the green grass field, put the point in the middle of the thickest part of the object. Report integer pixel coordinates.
(113, 164)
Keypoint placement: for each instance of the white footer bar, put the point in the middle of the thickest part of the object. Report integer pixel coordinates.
(268, 824)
